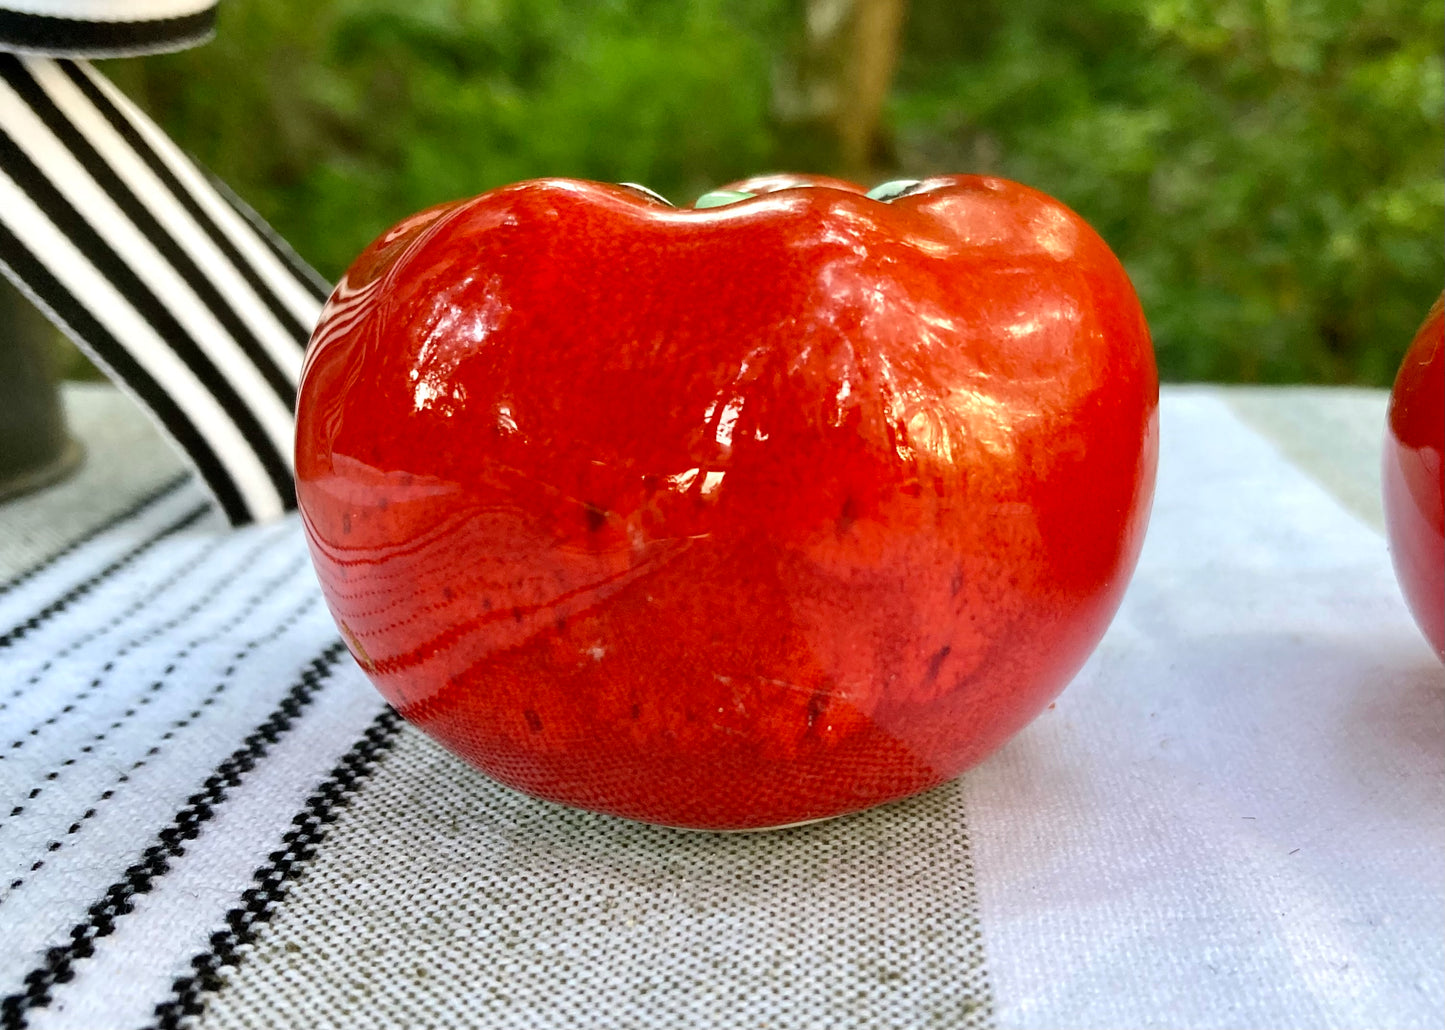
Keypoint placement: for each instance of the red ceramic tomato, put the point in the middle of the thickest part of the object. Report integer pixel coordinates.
(1414, 477)
(736, 517)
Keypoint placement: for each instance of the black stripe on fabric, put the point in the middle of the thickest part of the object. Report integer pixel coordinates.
(304, 273)
(85, 329)
(162, 171)
(143, 601)
(144, 219)
(54, 844)
(161, 492)
(299, 846)
(59, 964)
(114, 268)
(85, 586)
(137, 603)
(41, 32)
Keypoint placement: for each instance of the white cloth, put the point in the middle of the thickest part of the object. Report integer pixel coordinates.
(1234, 817)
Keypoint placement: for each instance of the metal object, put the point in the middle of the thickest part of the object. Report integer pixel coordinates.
(36, 449)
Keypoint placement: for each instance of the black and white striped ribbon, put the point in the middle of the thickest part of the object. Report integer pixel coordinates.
(163, 277)
(104, 28)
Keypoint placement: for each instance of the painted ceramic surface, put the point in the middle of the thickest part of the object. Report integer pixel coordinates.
(728, 518)
(1414, 477)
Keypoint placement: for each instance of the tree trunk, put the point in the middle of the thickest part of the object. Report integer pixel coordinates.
(839, 81)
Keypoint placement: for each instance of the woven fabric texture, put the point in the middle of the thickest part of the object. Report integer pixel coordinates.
(1233, 817)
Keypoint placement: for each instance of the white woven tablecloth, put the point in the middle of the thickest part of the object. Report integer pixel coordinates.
(1234, 817)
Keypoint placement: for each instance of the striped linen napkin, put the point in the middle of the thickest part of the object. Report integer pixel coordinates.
(1234, 817)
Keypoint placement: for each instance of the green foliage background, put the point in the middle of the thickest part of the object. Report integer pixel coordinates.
(1270, 171)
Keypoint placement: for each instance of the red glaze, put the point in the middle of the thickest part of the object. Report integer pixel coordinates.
(1414, 477)
(728, 518)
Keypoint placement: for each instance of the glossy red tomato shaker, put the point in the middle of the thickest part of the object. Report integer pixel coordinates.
(1414, 477)
(731, 517)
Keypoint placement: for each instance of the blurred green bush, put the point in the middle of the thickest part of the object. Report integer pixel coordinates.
(1269, 170)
